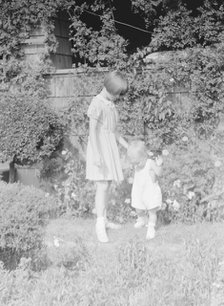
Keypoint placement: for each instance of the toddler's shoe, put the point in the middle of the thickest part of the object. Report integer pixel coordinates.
(140, 222)
(101, 230)
(150, 232)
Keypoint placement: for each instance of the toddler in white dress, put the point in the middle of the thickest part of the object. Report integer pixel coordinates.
(146, 193)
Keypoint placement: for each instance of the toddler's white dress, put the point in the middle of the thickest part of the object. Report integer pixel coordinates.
(146, 194)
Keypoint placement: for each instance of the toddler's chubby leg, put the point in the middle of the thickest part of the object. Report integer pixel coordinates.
(140, 222)
(102, 189)
(151, 224)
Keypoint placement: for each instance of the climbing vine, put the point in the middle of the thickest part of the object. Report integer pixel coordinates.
(19, 18)
(176, 96)
(197, 75)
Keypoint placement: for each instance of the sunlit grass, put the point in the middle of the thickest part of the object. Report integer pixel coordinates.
(136, 274)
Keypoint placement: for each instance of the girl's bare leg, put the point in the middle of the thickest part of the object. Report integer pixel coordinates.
(102, 189)
(107, 198)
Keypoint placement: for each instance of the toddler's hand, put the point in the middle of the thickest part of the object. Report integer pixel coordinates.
(159, 161)
(150, 154)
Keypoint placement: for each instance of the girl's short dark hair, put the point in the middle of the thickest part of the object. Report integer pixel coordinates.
(115, 83)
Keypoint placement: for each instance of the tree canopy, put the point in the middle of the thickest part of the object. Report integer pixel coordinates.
(104, 32)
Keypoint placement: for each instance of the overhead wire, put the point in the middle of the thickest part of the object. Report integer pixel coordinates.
(119, 22)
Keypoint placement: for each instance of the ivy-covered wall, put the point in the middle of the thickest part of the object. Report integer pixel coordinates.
(170, 95)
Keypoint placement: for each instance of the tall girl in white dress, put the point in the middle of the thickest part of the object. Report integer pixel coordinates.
(146, 192)
(103, 161)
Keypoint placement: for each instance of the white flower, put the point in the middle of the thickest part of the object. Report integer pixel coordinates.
(165, 152)
(121, 219)
(150, 153)
(177, 183)
(64, 152)
(172, 80)
(133, 213)
(190, 195)
(176, 205)
(185, 138)
(164, 206)
(168, 201)
(130, 180)
(113, 202)
(127, 201)
(218, 163)
(47, 195)
(56, 242)
(73, 195)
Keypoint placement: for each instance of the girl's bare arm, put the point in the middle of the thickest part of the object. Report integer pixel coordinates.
(121, 140)
(94, 142)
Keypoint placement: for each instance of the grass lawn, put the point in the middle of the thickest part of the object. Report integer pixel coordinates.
(178, 267)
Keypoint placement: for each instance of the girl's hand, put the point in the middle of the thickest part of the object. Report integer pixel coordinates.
(121, 140)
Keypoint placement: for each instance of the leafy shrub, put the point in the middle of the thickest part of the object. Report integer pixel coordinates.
(65, 175)
(192, 181)
(76, 193)
(24, 211)
(29, 130)
(172, 32)
(189, 175)
(19, 77)
(179, 28)
(119, 208)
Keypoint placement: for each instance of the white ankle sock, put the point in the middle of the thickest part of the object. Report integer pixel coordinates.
(101, 229)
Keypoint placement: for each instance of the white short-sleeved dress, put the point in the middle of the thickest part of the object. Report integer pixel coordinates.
(146, 194)
(104, 111)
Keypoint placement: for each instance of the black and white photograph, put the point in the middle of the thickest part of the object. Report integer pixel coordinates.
(111, 152)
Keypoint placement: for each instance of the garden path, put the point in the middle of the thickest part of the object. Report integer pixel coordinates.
(62, 233)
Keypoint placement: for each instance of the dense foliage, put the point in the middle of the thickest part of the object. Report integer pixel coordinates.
(175, 96)
(19, 18)
(179, 28)
(24, 212)
(99, 34)
(29, 130)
